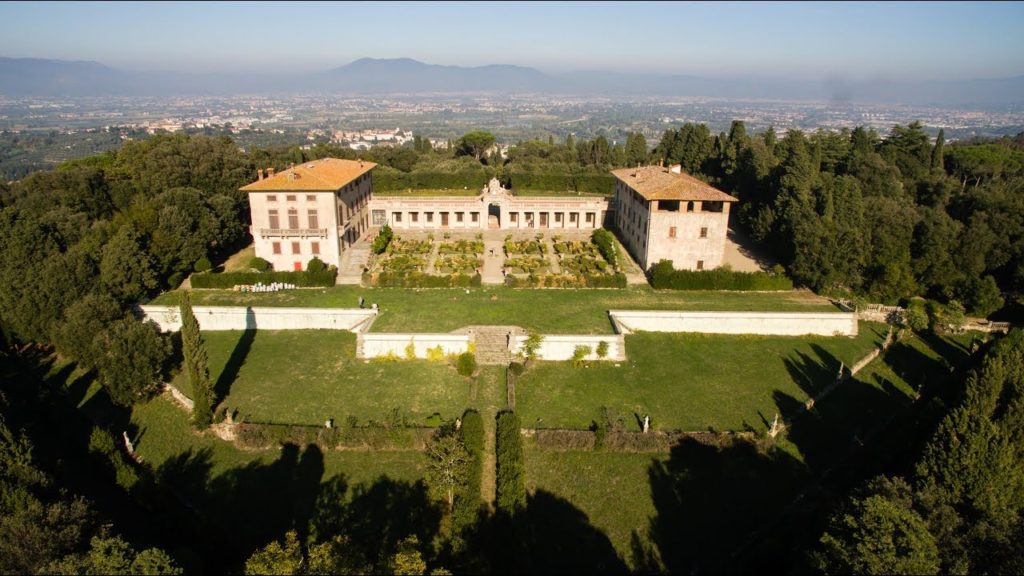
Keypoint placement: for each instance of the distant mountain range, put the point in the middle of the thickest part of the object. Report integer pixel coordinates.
(50, 78)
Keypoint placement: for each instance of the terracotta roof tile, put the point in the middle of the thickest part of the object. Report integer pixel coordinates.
(660, 183)
(327, 174)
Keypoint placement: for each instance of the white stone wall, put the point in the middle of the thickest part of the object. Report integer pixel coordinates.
(562, 346)
(168, 318)
(377, 345)
(766, 323)
(435, 205)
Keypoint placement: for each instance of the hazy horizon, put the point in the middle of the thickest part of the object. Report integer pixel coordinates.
(853, 41)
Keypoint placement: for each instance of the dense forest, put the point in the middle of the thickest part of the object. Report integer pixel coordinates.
(846, 213)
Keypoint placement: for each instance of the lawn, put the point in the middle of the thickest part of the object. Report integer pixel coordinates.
(546, 311)
(612, 489)
(690, 381)
(308, 376)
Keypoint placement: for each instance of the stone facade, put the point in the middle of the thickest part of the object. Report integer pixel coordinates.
(663, 214)
(493, 208)
(313, 210)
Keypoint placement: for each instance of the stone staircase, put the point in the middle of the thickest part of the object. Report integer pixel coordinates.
(352, 263)
(492, 343)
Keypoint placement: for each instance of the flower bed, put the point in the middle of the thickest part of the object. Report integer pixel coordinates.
(462, 247)
(525, 247)
(466, 263)
(526, 264)
(402, 264)
(400, 246)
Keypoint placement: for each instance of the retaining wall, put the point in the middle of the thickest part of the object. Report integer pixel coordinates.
(377, 345)
(168, 318)
(765, 323)
(561, 347)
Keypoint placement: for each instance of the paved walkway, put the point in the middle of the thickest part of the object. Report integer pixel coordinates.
(740, 255)
(494, 261)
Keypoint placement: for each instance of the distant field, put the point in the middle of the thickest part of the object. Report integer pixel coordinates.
(691, 382)
(547, 311)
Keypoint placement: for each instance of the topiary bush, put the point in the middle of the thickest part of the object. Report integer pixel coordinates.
(316, 265)
(466, 364)
(202, 265)
(259, 264)
(511, 468)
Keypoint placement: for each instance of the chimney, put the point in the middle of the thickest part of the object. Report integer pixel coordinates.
(291, 165)
(360, 162)
(270, 172)
(676, 168)
(259, 173)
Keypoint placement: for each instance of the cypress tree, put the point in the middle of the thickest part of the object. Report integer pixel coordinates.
(511, 489)
(937, 151)
(196, 365)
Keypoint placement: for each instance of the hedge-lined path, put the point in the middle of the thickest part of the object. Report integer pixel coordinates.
(494, 261)
(488, 476)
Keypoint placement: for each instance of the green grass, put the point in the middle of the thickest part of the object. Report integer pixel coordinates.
(308, 376)
(612, 489)
(165, 433)
(546, 311)
(690, 381)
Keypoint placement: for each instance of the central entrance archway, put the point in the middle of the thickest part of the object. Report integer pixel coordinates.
(493, 216)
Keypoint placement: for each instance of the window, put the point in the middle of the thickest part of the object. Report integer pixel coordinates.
(689, 206)
(590, 217)
(672, 232)
(310, 197)
(475, 217)
(378, 218)
(275, 247)
(272, 198)
(290, 198)
(296, 249)
(314, 220)
(574, 217)
(700, 264)
(514, 217)
(558, 217)
(298, 266)
(397, 216)
(414, 216)
(458, 216)
(293, 219)
(315, 248)
(430, 216)
(273, 219)
(703, 232)
(668, 205)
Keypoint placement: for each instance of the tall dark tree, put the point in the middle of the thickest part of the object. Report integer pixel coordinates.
(196, 365)
(939, 149)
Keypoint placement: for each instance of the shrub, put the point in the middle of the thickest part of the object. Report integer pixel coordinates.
(564, 439)
(202, 265)
(410, 351)
(316, 265)
(579, 354)
(916, 318)
(435, 354)
(259, 264)
(511, 484)
(466, 364)
(380, 243)
(605, 242)
(602, 349)
(532, 345)
(663, 276)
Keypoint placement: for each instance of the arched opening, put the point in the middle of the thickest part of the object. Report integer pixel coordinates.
(493, 216)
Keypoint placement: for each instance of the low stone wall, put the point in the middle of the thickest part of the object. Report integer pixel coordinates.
(378, 345)
(168, 318)
(561, 347)
(765, 323)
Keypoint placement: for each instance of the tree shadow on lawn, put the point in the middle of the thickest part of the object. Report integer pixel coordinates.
(549, 536)
(247, 507)
(233, 366)
(711, 499)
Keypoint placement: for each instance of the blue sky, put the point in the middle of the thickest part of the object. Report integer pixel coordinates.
(852, 40)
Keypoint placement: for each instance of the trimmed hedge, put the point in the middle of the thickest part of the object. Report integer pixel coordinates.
(421, 280)
(511, 467)
(260, 436)
(386, 179)
(324, 278)
(617, 280)
(664, 276)
(467, 498)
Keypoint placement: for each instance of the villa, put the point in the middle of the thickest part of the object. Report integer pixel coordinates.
(322, 207)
